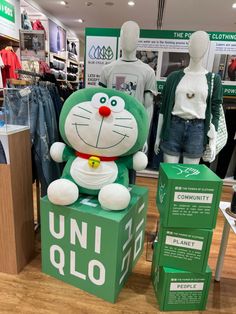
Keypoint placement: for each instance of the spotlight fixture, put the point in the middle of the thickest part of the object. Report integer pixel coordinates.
(131, 3)
(234, 5)
(63, 2)
(88, 3)
(80, 20)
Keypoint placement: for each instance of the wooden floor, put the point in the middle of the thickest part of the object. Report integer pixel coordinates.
(34, 292)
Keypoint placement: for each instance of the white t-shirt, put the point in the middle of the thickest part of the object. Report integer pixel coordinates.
(132, 77)
(1, 65)
(191, 95)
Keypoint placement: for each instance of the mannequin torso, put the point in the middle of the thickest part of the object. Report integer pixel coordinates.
(129, 74)
(190, 98)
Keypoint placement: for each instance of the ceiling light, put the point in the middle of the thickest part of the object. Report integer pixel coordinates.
(131, 3)
(234, 5)
(63, 2)
(80, 21)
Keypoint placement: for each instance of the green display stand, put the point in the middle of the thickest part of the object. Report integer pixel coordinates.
(91, 248)
(188, 195)
(178, 290)
(186, 249)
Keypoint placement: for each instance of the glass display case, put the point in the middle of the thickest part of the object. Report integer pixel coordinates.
(14, 111)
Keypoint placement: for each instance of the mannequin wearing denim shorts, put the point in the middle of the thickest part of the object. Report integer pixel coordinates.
(189, 119)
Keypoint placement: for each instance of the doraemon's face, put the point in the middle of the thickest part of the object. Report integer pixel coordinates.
(101, 125)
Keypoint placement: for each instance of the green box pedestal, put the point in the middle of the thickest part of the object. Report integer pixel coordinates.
(186, 249)
(188, 195)
(90, 248)
(178, 290)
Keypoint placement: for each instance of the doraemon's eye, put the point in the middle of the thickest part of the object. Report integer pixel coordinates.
(117, 104)
(99, 99)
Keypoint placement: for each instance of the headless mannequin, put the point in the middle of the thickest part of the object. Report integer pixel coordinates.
(198, 45)
(129, 36)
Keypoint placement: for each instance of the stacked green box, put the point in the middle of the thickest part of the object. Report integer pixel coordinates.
(91, 248)
(188, 197)
(179, 290)
(186, 249)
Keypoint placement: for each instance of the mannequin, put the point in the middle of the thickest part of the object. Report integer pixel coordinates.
(188, 118)
(129, 74)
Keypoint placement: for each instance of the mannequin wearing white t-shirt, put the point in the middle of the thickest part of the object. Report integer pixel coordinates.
(198, 46)
(129, 37)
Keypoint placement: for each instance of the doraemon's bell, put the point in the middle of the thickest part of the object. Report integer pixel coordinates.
(94, 162)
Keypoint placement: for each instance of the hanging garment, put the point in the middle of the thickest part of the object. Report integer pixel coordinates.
(11, 64)
(26, 24)
(1, 66)
(38, 26)
(3, 159)
(43, 129)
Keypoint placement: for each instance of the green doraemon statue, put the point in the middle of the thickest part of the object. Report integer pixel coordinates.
(104, 131)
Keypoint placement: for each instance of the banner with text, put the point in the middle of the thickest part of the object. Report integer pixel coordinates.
(164, 51)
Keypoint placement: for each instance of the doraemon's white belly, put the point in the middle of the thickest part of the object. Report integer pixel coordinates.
(93, 178)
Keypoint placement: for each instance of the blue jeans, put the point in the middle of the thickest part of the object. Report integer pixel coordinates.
(185, 138)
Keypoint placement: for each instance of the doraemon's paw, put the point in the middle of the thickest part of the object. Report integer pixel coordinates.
(63, 192)
(114, 197)
(140, 161)
(56, 151)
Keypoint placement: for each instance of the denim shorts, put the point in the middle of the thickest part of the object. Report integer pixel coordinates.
(186, 138)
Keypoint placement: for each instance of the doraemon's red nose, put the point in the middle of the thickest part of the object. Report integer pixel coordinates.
(104, 111)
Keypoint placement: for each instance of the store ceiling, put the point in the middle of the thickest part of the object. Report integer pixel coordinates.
(211, 15)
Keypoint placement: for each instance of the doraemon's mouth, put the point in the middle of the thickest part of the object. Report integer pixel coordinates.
(123, 136)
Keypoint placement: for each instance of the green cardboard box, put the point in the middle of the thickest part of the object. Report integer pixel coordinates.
(178, 290)
(186, 249)
(188, 195)
(91, 248)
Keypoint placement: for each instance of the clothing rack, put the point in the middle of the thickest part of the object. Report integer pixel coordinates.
(29, 73)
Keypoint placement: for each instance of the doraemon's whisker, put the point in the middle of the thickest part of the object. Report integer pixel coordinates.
(124, 126)
(77, 115)
(120, 133)
(80, 124)
(123, 119)
(84, 109)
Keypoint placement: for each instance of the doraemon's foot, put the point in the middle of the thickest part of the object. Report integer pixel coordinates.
(63, 192)
(114, 197)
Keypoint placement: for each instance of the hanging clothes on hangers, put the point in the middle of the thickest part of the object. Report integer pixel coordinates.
(11, 64)
(1, 66)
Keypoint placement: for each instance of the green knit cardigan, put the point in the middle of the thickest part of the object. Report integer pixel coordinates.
(213, 103)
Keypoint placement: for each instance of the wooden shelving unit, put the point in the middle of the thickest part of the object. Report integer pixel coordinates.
(16, 205)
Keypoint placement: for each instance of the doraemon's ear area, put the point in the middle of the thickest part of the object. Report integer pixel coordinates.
(115, 100)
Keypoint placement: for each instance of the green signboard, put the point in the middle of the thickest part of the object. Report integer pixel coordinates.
(7, 11)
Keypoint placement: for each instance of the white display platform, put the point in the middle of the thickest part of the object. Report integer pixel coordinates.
(10, 129)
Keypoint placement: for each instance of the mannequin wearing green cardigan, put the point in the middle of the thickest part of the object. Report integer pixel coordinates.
(198, 45)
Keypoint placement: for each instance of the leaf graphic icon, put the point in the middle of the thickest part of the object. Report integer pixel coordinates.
(97, 53)
(92, 52)
(109, 53)
(103, 53)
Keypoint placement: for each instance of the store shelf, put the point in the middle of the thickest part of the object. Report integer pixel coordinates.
(60, 80)
(75, 82)
(72, 61)
(58, 57)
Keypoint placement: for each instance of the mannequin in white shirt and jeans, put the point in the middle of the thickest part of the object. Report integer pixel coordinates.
(190, 104)
(129, 74)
